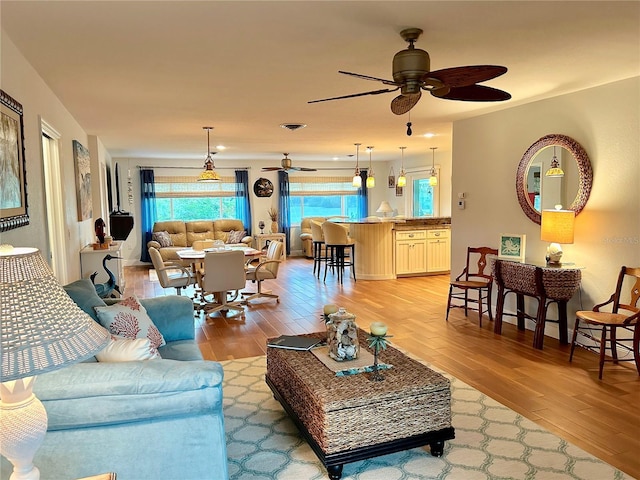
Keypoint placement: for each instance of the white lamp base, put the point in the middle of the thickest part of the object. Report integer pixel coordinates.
(23, 425)
(554, 253)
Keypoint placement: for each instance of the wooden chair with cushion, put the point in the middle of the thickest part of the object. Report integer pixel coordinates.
(476, 277)
(594, 324)
(170, 274)
(340, 249)
(267, 269)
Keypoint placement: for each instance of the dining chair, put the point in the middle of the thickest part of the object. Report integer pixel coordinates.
(267, 269)
(476, 277)
(594, 324)
(340, 249)
(223, 272)
(170, 274)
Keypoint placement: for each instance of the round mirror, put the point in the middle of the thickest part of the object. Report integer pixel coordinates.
(539, 191)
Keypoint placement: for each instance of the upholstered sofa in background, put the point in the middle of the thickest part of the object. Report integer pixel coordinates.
(151, 419)
(183, 234)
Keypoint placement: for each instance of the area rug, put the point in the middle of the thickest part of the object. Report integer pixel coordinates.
(492, 441)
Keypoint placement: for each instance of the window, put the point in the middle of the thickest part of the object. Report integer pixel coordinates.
(424, 198)
(322, 197)
(183, 198)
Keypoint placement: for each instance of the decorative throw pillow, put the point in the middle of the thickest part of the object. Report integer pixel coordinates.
(163, 238)
(236, 236)
(129, 319)
(120, 349)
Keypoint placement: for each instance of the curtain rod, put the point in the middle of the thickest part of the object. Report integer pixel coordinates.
(192, 168)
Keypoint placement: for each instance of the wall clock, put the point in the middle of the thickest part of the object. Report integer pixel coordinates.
(263, 187)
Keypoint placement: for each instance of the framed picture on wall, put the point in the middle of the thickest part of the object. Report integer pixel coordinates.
(512, 247)
(83, 180)
(399, 191)
(13, 172)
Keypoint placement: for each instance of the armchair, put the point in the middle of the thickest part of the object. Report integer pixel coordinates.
(267, 269)
(167, 274)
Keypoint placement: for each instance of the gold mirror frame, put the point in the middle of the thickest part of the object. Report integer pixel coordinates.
(584, 170)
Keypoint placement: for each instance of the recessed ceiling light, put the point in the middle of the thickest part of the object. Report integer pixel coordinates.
(293, 126)
(221, 147)
(429, 135)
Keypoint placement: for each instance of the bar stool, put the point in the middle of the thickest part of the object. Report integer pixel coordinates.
(340, 249)
(319, 248)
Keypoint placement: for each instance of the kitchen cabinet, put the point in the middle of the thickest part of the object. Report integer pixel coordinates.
(438, 250)
(411, 252)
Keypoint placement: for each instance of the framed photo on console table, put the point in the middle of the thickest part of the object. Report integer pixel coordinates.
(512, 247)
(13, 173)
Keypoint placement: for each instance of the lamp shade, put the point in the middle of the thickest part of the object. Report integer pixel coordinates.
(557, 226)
(42, 329)
(384, 207)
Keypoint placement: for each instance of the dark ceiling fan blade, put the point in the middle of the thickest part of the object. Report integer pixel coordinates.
(304, 169)
(367, 77)
(374, 92)
(463, 76)
(271, 169)
(403, 103)
(472, 93)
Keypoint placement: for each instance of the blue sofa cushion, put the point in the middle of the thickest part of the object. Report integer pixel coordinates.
(84, 294)
(86, 395)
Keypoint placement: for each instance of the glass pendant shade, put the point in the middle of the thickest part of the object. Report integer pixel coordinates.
(433, 179)
(371, 181)
(357, 179)
(555, 170)
(208, 174)
(402, 179)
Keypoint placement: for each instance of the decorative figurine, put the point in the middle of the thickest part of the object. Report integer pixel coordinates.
(378, 341)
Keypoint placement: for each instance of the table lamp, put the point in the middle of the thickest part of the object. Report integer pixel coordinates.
(42, 330)
(556, 227)
(384, 208)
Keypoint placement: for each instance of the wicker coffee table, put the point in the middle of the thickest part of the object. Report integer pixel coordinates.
(351, 418)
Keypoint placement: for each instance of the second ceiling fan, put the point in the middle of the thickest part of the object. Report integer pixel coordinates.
(411, 75)
(285, 165)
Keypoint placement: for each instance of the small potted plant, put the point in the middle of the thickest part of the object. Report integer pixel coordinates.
(273, 215)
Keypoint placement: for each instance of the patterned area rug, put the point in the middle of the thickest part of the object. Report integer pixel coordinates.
(492, 441)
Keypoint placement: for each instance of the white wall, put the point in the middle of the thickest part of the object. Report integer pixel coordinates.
(19, 80)
(486, 153)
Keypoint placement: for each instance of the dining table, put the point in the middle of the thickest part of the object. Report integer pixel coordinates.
(196, 257)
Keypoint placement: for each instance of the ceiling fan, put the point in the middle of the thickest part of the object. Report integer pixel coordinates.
(411, 75)
(286, 166)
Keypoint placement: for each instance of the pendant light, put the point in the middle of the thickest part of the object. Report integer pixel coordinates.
(402, 179)
(371, 180)
(357, 179)
(208, 174)
(433, 179)
(555, 170)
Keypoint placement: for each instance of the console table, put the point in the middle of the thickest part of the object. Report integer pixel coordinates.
(263, 239)
(548, 284)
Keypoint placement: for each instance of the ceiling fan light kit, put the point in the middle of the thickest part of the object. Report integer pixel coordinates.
(293, 126)
(209, 174)
(411, 72)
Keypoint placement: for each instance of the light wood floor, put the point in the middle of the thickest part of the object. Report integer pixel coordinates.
(602, 417)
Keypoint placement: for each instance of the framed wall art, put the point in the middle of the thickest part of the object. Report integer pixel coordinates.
(399, 191)
(392, 178)
(83, 180)
(13, 171)
(512, 247)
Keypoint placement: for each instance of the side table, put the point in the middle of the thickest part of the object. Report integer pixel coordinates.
(263, 239)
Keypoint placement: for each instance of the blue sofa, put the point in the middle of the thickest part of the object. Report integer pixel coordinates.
(155, 419)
